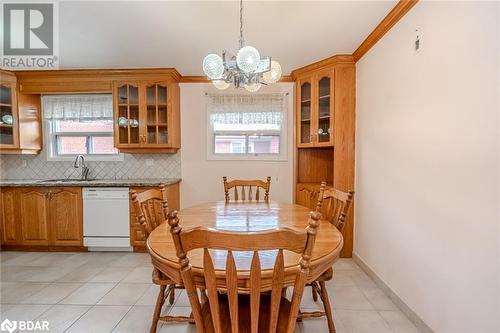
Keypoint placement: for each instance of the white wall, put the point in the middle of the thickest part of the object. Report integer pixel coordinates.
(427, 164)
(202, 179)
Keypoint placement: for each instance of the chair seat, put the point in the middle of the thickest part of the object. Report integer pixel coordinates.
(244, 314)
(326, 276)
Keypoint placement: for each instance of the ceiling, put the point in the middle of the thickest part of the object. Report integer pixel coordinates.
(179, 34)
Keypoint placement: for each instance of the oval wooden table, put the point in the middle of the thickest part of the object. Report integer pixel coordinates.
(245, 217)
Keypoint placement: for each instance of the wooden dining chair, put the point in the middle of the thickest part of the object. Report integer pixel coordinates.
(234, 304)
(248, 189)
(151, 209)
(334, 205)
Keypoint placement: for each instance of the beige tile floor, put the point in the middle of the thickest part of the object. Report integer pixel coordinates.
(112, 292)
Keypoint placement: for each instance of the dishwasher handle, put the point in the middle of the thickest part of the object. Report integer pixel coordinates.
(105, 193)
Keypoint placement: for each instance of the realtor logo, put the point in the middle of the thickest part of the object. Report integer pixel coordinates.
(8, 326)
(29, 35)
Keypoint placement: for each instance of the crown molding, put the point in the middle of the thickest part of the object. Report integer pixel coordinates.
(400, 10)
(334, 60)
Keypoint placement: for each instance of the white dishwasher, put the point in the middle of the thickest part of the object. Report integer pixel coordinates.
(106, 218)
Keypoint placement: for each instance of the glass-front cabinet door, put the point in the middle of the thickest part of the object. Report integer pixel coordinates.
(156, 114)
(323, 125)
(304, 114)
(128, 120)
(8, 116)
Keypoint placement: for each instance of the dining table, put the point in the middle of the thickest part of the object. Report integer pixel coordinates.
(245, 216)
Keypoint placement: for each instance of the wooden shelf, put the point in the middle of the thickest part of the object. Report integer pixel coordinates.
(7, 125)
(324, 96)
(305, 101)
(8, 105)
(128, 104)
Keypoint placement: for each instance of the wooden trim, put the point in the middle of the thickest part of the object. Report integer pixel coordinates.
(87, 80)
(6, 151)
(43, 248)
(203, 79)
(400, 10)
(194, 79)
(336, 59)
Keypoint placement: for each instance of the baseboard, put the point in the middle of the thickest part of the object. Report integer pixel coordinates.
(414, 318)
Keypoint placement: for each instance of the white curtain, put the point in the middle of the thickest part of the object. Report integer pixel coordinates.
(78, 107)
(264, 109)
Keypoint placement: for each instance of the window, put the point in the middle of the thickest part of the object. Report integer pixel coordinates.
(246, 127)
(79, 125)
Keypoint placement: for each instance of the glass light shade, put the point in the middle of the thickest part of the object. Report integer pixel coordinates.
(274, 74)
(220, 84)
(248, 59)
(253, 87)
(213, 66)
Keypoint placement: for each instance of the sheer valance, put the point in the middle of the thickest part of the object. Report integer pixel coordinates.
(259, 109)
(78, 107)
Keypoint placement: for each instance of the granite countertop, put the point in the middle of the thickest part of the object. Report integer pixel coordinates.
(90, 183)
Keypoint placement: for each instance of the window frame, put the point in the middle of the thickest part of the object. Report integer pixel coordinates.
(282, 133)
(51, 136)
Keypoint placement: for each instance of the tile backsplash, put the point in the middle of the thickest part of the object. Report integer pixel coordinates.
(133, 166)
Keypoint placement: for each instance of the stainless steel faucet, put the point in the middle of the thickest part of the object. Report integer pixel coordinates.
(80, 163)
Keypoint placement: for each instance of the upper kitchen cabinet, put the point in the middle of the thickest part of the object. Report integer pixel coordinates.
(147, 116)
(315, 109)
(20, 125)
(145, 102)
(9, 126)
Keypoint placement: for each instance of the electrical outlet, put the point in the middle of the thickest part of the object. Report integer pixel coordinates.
(25, 163)
(150, 162)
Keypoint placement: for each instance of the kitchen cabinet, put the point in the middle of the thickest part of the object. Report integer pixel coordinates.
(33, 215)
(65, 216)
(9, 126)
(146, 116)
(41, 216)
(315, 116)
(20, 120)
(137, 240)
(11, 230)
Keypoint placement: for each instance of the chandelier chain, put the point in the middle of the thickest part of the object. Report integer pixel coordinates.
(241, 24)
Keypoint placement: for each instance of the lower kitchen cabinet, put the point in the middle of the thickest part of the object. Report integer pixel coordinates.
(41, 216)
(11, 229)
(33, 215)
(136, 236)
(65, 216)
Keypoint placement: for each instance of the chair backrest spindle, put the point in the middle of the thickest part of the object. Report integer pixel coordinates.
(337, 205)
(151, 208)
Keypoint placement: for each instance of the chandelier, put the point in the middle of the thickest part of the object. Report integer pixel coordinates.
(245, 70)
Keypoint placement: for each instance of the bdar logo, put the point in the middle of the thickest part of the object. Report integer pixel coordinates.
(9, 326)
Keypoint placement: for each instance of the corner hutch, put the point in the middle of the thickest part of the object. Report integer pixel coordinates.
(325, 125)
